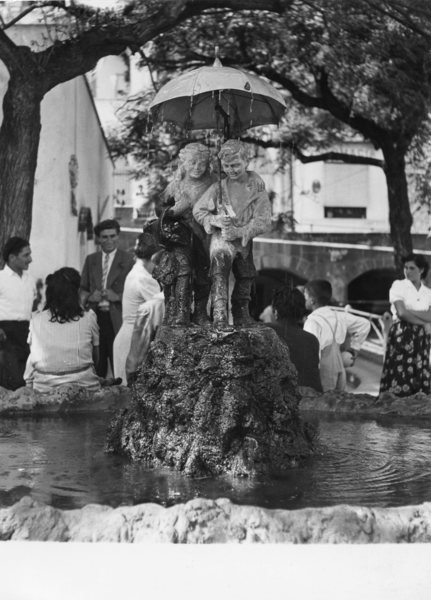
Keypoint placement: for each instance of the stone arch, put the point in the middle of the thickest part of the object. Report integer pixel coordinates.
(369, 291)
(366, 261)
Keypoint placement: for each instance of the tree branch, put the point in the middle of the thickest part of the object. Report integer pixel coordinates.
(344, 157)
(67, 59)
(29, 9)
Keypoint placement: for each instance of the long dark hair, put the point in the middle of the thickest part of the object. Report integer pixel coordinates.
(62, 295)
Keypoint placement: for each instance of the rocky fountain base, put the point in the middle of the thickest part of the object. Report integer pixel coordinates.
(208, 403)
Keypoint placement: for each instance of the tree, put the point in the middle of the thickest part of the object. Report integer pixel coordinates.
(78, 38)
(366, 64)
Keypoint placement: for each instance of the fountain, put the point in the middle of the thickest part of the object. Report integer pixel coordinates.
(214, 398)
(213, 401)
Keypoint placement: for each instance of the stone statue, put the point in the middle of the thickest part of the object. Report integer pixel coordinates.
(184, 267)
(233, 211)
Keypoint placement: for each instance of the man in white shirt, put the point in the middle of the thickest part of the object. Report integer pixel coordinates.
(17, 294)
(331, 327)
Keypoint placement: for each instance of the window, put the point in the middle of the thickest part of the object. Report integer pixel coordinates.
(345, 212)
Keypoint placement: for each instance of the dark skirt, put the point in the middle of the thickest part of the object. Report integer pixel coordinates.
(406, 369)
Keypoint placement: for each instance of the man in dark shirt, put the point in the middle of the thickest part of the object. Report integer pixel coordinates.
(289, 308)
(102, 285)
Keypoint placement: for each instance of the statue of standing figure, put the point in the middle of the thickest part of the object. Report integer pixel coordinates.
(233, 211)
(184, 268)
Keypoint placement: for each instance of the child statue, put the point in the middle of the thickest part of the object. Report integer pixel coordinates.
(233, 211)
(185, 240)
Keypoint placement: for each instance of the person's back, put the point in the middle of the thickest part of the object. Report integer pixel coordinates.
(139, 287)
(331, 328)
(63, 338)
(289, 309)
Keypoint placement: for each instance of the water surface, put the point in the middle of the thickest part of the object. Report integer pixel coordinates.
(61, 461)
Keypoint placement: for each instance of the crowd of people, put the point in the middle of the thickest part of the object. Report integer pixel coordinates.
(83, 332)
(334, 337)
(95, 328)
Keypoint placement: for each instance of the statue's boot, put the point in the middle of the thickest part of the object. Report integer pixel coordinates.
(183, 301)
(241, 314)
(240, 303)
(220, 316)
(200, 315)
(169, 315)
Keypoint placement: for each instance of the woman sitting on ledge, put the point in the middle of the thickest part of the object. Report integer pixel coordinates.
(63, 338)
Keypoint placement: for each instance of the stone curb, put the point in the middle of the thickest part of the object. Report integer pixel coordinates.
(202, 521)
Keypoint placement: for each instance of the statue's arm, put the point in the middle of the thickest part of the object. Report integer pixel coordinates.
(261, 220)
(204, 210)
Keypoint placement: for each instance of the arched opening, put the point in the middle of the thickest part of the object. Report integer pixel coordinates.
(266, 282)
(370, 291)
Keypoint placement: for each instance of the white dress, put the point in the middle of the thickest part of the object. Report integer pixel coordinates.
(138, 288)
(62, 353)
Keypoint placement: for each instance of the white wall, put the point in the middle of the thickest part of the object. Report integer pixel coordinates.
(70, 125)
(341, 185)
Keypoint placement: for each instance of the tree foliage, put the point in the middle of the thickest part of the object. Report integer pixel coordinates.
(76, 38)
(365, 65)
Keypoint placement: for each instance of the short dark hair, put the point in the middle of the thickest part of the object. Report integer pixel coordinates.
(419, 261)
(146, 246)
(289, 304)
(14, 245)
(107, 224)
(62, 295)
(320, 290)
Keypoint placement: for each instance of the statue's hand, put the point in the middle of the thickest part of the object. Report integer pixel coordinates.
(230, 233)
(260, 185)
(221, 221)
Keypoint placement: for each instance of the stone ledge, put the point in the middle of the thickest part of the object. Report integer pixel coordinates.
(387, 404)
(215, 521)
(64, 399)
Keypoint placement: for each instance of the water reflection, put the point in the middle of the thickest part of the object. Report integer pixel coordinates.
(61, 461)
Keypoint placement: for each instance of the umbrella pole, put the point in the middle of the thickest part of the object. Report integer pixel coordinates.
(225, 116)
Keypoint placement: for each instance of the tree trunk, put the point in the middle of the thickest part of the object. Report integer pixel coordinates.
(19, 142)
(400, 216)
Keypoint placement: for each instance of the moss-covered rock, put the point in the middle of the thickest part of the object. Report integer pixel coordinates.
(208, 403)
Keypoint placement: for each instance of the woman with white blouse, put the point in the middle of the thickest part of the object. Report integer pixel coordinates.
(406, 369)
(63, 338)
(138, 288)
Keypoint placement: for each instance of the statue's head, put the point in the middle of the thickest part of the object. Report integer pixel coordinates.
(194, 160)
(232, 149)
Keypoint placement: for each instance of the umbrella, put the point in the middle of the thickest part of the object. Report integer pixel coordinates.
(208, 97)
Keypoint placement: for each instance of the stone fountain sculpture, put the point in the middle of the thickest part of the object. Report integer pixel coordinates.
(219, 398)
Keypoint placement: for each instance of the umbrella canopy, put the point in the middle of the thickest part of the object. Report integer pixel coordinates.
(216, 97)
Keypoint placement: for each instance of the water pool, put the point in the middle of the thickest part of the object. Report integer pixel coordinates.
(61, 461)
